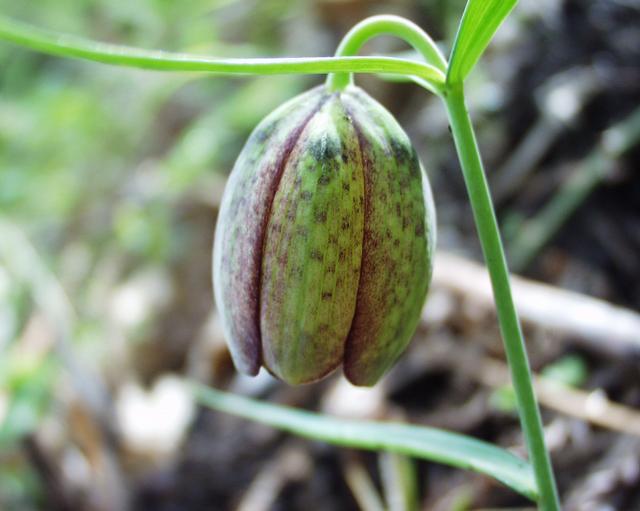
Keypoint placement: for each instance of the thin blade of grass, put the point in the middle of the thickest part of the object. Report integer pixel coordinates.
(400, 481)
(479, 23)
(362, 487)
(417, 441)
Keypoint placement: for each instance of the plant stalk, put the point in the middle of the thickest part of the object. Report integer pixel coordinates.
(375, 26)
(487, 226)
(64, 45)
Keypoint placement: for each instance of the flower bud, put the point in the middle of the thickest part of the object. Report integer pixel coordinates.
(324, 241)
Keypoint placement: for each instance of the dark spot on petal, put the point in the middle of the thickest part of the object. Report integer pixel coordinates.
(414, 167)
(401, 151)
(296, 271)
(306, 195)
(346, 187)
(261, 135)
(324, 149)
(316, 255)
(320, 217)
(324, 179)
(327, 295)
(420, 229)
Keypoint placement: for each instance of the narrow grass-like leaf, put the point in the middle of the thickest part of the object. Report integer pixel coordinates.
(417, 441)
(479, 23)
(64, 45)
(399, 478)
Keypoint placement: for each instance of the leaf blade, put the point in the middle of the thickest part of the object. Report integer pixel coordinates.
(480, 21)
(418, 441)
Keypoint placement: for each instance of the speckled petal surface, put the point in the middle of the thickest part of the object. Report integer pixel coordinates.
(313, 249)
(324, 242)
(399, 236)
(242, 220)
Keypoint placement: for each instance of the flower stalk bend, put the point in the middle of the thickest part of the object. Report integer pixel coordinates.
(386, 25)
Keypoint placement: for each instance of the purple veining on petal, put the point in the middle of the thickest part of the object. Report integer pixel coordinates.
(396, 255)
(242, 219)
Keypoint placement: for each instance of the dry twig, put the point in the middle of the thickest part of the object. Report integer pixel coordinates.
(604, 327)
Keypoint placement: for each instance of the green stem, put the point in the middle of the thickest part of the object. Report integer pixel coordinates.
(489, 235)
(390, 25)
(69, 46)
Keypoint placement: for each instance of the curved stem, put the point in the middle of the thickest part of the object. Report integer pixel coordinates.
(390, 25)
(489, 235)
(69, 46)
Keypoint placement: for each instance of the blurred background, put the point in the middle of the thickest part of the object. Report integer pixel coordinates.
(110, 180)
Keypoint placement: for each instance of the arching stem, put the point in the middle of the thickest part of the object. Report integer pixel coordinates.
(65, 45)
(385, 25)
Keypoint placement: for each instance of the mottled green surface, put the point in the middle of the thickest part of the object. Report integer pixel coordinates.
(398, 242)
(324, 241)
(313, 250)
(241, 221)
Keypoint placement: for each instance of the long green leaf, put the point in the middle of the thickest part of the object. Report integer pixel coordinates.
(70, 46)
(418, 441)
(479, 23)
